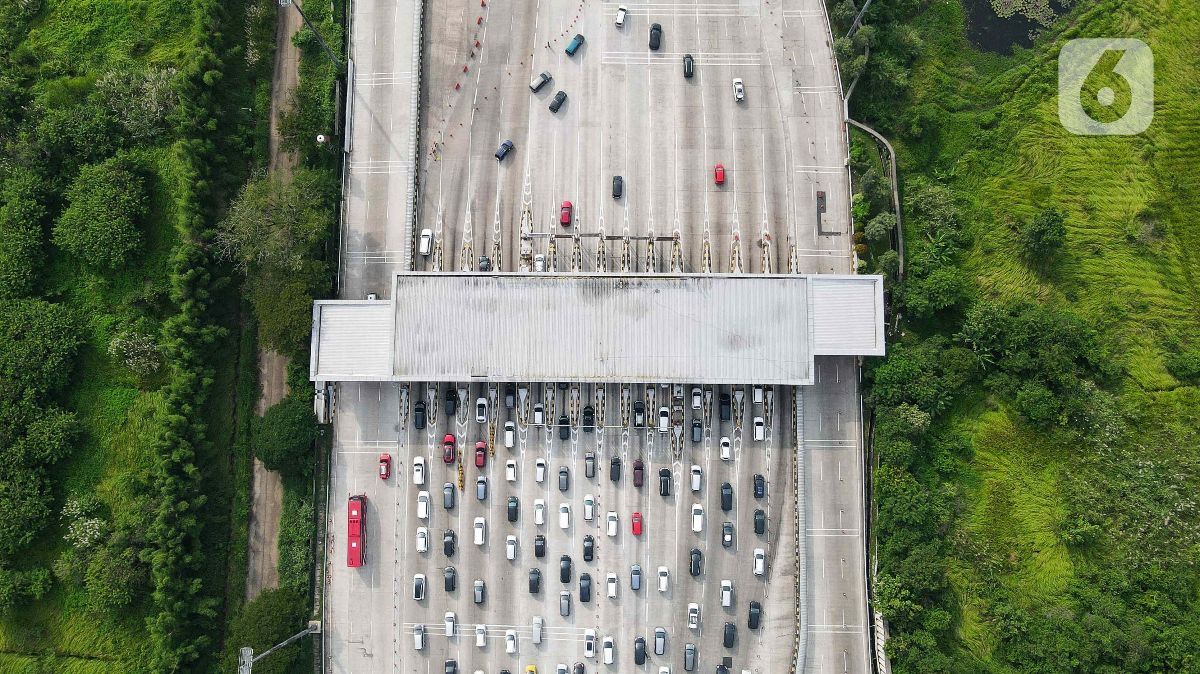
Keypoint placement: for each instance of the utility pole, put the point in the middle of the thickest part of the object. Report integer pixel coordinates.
(247, 658)
(328, 52)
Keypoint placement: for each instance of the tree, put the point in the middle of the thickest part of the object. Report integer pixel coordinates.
(273, 616)
(1043, 236)
(38, 341)
(283, 437)
(880, 227)
(101, 226)
(283, 305)
(276, 224)
(22, 217)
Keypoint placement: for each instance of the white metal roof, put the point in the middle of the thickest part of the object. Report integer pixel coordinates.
(680, 328)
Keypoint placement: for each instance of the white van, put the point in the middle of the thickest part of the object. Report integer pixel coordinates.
(695, 478)
(663, 575)
(480, 530)
(757, 395)
(510, 434)
(480, 635)
(423, 505)
(537, 629)
(419, 636)
(425, 246)
(510, 470)
(564, 516)
(760, 429)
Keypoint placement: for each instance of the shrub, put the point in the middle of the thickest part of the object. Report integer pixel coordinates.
(140, 101)
(283, 306)
(139, 352)
(101, 224)
(1185, 366)
(283, 437)
(273, 616)
(22, 217)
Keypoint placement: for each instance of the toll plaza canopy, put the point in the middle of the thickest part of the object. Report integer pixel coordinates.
(595, 327)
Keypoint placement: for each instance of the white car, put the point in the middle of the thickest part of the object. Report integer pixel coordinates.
(510, 641)
(589, 643)
(760, 429)
(450, 620)
(539, 263)
(481, 410)
(423, 505)
(611, 519)
(510, 547)
(611, 582)
(422, 539)
(694, 616)
(564, 516)
(739, 91)
(510, 434)
(510, 470)
(608, 650)
(697, 518)
(480, 635)
(697, 397)
(418, 470)
(622, 10)
(589, 507)
(664, 420)
(760, 561)
(539, 470)
(419, 636)
(696, 474)
(480, 530)
(539, 511)
(726, 593)
(663, 578)
(425, 246)
(726, 448)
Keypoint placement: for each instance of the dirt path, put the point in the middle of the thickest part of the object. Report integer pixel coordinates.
(266, 487)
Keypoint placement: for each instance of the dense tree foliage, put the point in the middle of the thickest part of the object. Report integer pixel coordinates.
(277, 224)
(1043, 234)
(101, 225)
(283, 437)
(22, 219)
(273, 616)
(38, 341)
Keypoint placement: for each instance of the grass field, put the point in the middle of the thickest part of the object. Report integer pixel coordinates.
(990, 129)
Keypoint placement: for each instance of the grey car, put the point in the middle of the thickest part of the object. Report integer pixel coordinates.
(505, 147)
(660, 641)
(559, 99)
(564, 479)
(480, 593)
(448, 496)
(450, 578)
(564, 603)
(635, 577)
(481, 488)
(689, 657)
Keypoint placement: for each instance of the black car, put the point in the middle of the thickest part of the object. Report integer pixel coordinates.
(449, 539)
(639, 414)
(639, 651)
(696, 561)
(452, 667)
(564, 428)
(614, 469)
(513, 508)
(664, 481)
(618, 187)
(451, 402)
(729, 635)
(760, 486)
(755, 616)
(505, 147)
(564, 569)
(419, 415)
(578, 669)
(450, 578)
(697, 431)
(655, 36)
(510, 396)
(563, 386)
(535, 581)
(485, 263)
(559, 99)
(585, 587)
(725, 407)
(589, 419)
(760, 522)
(689, 65)
(639, 472)
(539, 545)
(564, 479)
(726, 497)
(589, 548)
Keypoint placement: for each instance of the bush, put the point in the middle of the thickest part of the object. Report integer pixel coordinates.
(1185, 366)
(273, 616)
(101, 224)
(284, 436)
(295, 542)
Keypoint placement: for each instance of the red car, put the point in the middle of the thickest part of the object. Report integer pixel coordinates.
(448, 448)
(564, 215)
(637, 524)
(385, 466)
(719, 174)
(480, 454)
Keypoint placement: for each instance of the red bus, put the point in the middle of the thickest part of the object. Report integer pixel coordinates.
(356, 531)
